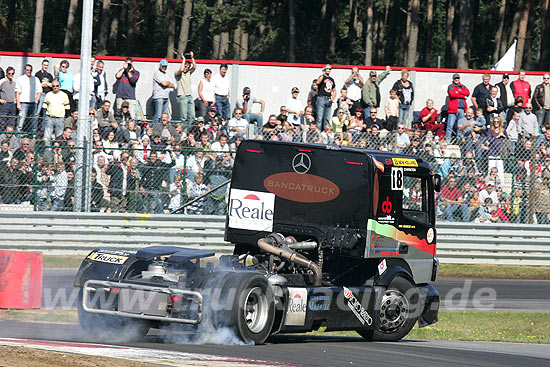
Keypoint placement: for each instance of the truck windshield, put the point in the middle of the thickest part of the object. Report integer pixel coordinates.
(415, 199)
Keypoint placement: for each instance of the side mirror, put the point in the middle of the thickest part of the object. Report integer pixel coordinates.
(437, 182)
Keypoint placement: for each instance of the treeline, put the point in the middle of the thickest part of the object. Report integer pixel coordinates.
(429, 33)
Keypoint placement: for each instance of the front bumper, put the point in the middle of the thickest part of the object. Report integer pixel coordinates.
(431, 301)
(140, 301)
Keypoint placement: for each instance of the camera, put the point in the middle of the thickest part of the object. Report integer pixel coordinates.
(129, 67)
(246, 97)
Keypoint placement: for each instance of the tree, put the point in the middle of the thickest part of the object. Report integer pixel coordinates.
(523, 8)
(68, 42)
(171, 34)
(413, 34)
(185, 24)
(429, 25)
(368, 34)
(465, 34)
(292, 32)
(39, 21)
(450, 55)
(498, 35)
(544, 59)
(104, 28)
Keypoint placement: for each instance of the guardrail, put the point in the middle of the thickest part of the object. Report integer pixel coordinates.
(67, 233)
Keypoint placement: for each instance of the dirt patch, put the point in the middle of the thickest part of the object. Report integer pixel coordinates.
(23, 356)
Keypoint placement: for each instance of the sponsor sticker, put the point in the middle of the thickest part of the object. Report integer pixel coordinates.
(356, 307)
(252, 210)
(319, 303)
(397, 178)
(386, 219)
(430, 235)
(304, 188)
(405, 162)
(108, 258)
(297, 307)
(382, 267)
(387, 206)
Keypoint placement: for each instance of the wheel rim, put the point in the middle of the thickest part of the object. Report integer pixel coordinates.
(255, 310)
(394, 310)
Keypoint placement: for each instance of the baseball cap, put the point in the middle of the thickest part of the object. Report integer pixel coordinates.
(200, 119)
(295, 89)
(456, 76)
(163, 62)
(212, 108)
(239, 135)
(246, 90)
(505, 76)
(372, 73)
(125, 104)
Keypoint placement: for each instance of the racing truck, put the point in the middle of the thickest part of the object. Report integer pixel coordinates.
(323, 236)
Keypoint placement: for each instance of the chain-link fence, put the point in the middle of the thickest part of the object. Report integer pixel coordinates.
(138, 168)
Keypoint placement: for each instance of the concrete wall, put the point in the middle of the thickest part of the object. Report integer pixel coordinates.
(273, 83)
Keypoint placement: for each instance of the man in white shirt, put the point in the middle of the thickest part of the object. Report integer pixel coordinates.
(237, 124)
(489, 192)
(221, 89)
(528, 122)
(294, 108)
(220, 145)
(162, 85)
(28, 90)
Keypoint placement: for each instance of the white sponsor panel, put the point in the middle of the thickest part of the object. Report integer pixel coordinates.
(356, 307)
(108, 258)
(297, 307)
(252, 210)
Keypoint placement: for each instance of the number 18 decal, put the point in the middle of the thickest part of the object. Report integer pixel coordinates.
(397, 178)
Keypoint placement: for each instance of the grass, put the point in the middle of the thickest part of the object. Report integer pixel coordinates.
(70, 262)
(494, 271)
(36, 315)
(512, 327)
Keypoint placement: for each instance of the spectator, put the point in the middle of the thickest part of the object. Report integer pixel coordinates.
(528, 123)
(340, 123)
(11, 180)
(326, 95)
(105, 119)
(143, 150)
(221, 90)
(68, 200)
(101, 88)
(414, 148)
(28, 91)
(162, 85)
(289, 133)
(220, 146)
(517, 107)
(44, 186)
(69, 154)
(207, 95)
(176, 190)
(307, 118)
(521, 88)
(370, 93)
(519, 207)
(8, 108)
(493, 104)
(496, 136)
(505, 92)
(237, 123)
(481, 93)
(312, 96)
(357, 121)
(465, 129)
(489, 192)
(272, 127)
(76, 90)
(246, 102)
(393, 109)
(450, 166)
(542, 204)
(312, 134)
(72, 120)
(514, 132)
(541, 100)
(151, 178)
(96, 196)
(183, 81)
(430, 119)
(405, 90)
(56, 103)
(66, 80)
(492, 179)
(125, 86)
(195, 164)
(354, 84)
(118, 184)
(402, 138)
(59, 187)
(282, 116)
(165, 130)
(374, 120)
(46, 80)
(111, 145)
(197, 189)
(131, 134)
(454, 202)
(123, 115)
(5, 154)
(544, 138)
(294, 107)
(344, 102)
(457, 93)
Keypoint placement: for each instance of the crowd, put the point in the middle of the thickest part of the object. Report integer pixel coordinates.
(480, 142)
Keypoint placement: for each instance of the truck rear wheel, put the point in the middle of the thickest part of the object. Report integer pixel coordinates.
(247, 307)
(109, 327)
(397, 312)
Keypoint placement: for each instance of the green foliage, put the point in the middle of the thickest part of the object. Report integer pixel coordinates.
(267, 25)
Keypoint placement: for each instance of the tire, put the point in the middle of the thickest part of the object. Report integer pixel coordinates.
(108, 327)
(397, 312)
(247, 307)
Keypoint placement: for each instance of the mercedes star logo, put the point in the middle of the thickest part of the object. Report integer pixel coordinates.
(301, 163)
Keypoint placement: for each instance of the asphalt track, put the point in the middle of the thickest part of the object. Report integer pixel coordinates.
(456, 294)
(297, 350)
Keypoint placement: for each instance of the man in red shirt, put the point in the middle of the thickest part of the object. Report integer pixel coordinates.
(455, 202)
(522, 88)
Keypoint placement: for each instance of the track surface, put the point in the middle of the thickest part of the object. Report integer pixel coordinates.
(326, 351)
(456, 294)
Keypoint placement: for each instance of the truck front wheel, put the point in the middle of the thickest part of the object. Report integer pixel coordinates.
(397, 312)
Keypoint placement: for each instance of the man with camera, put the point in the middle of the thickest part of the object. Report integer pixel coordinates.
(246, 102)
(326, 95)
(125, 86)
(183, 81)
